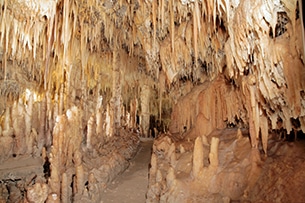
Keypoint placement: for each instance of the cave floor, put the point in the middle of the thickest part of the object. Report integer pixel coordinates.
(21, 167)
(131, 186)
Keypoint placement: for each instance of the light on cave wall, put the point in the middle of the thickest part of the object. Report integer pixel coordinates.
(29, 93)
(45, 8)
(99, 102)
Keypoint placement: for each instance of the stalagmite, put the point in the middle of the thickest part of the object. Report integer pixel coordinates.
(99, 124)
(108, 122)
(32, 143)
(79, 173)
(19, 127)
(7, 120)
(198, 158)
(93, 188)
(54, 181)
(90, 132)
(37, 193)
(213, 156)
(64, 188)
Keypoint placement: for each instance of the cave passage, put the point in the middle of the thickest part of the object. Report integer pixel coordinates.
(131, 185)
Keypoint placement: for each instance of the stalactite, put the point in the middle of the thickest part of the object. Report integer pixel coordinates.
(61, 99)
(172, 24)
(14, 38)
(154, 18)
(3, 20)
(197, 15)
(215, 13)
(56, 106)
(159, 3)
(195, 35)
(249, 90)
(51, 38)
(5, 47)
(46, 118)
(4, 62)
(263, 122)
(84, 61)
(303, 27)
(66, 30)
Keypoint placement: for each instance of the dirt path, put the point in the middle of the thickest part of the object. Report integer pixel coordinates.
(131, 186)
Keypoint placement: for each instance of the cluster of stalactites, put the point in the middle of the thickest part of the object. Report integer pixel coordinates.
(197, 38)
(67, 30)
(269, 59)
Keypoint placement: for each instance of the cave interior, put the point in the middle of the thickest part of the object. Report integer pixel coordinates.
(217, 85)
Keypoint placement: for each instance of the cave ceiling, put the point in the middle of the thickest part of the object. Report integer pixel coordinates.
(250, 43)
